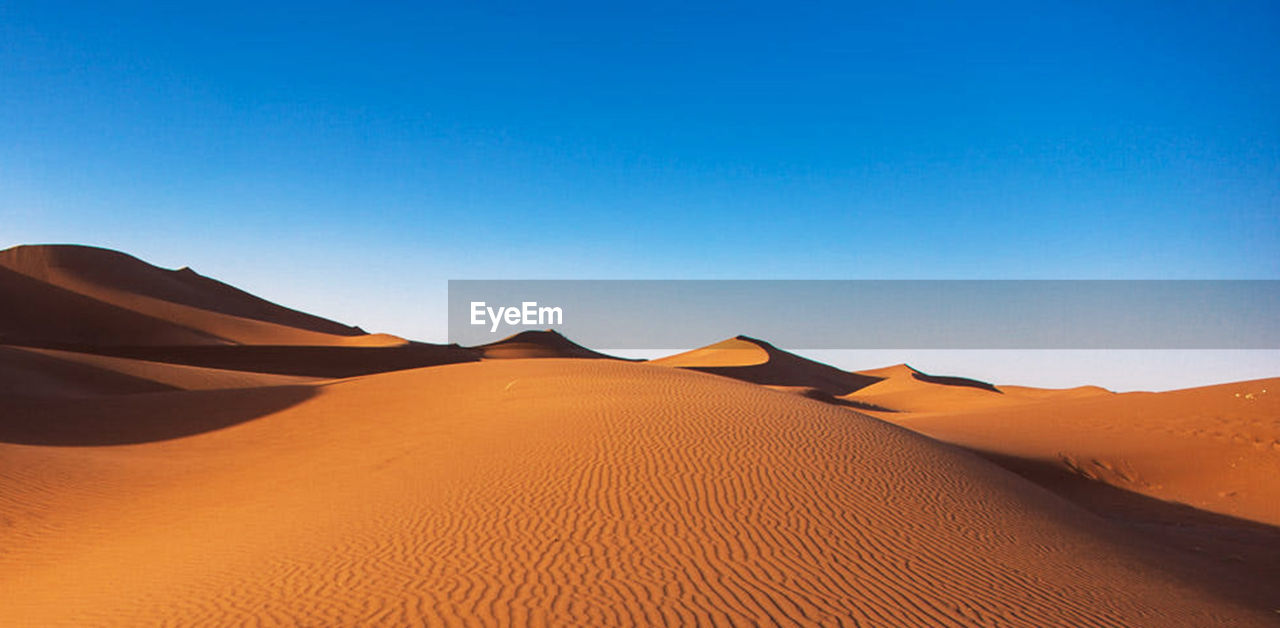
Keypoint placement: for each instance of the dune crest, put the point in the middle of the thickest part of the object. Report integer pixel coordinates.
(537, 344)
(756, 361)
(67, 283)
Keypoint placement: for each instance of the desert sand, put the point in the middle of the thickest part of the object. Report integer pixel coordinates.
(151, 472)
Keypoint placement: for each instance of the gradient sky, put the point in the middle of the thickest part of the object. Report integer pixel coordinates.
(347, 159)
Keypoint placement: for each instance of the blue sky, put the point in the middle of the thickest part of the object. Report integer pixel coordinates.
(349, 159)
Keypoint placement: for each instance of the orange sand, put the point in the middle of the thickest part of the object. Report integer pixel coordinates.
(557, 492)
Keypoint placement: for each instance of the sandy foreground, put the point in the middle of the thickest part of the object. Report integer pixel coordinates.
(163, 481)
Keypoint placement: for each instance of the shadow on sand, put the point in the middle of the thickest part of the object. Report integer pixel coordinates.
(1235, 558)
(139, 418)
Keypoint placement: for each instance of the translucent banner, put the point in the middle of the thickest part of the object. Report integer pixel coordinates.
(868, 314)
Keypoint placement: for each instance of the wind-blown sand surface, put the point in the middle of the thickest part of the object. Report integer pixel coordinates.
(175, 451)
(563, 492)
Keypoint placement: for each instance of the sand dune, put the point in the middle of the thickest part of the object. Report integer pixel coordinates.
(537, 344)
(1192, 469)
(905, 389)
(551, 492)
(42, 314)
(898, 388)
(752, 360)
(77, 295)
(47, 372)
(1216, 448)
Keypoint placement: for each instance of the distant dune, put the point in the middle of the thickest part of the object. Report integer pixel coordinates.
(537, 344)
(759, 362)
(174, 451)
(906, 389)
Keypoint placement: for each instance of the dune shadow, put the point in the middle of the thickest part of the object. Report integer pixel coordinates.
(25, 372)
(310, 361)
(828, 379)
(140, 418)
(826, 397)
(44, 315)
(951, 380)
(1236, 558)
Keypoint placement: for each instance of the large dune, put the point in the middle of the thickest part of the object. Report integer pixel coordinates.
(79, 295)
(87, 300)
(550, 492)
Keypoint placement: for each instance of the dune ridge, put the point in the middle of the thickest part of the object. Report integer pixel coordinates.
(753, 360)
(537, 344)
(166, 306)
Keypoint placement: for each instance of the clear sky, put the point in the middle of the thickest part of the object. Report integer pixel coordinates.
(347, 159)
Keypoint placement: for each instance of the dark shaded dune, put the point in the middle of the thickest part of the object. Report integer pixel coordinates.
(37, 313)
(949, 380)
(826, 397)
(1236, 558)
(538, 344)
(122, 272)
(31, 374)
(776, 368)
(30, 371)
(303, 360)
(96, 301)
(135, 419)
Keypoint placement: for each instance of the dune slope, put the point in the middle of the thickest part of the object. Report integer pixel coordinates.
(537, 344)
(756, 361)
(905, 389)
(60, 289)
(552, 492)
(1216, 448)
(52, 373)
